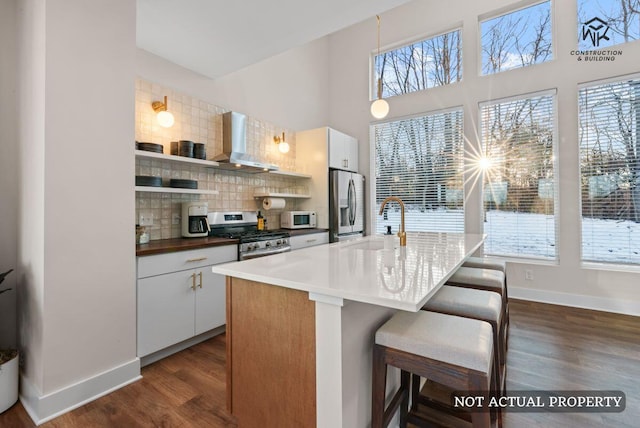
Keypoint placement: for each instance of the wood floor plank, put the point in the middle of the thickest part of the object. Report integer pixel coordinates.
(550, 348)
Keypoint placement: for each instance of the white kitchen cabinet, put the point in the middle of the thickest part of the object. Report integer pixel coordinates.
(210, 301)
(318, 150)
(309, 240)
(343, 151)
(179, 297)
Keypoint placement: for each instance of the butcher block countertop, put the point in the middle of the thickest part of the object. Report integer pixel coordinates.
(161, 246)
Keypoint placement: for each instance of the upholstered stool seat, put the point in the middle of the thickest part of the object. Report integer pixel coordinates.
(484, 263)
(480, 305)
(487, 279)
(450, 350)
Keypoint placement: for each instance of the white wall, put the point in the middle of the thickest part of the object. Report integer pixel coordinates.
(8, 171)
(77, 253)
(567, 282)
(288, 90)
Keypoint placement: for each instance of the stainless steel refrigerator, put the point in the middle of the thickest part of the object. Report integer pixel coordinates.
(346, 205)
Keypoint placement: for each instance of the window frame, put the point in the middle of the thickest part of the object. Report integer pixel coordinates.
(553, 92)
(513, 8)
(372, 159)
(596, 264)
(373, 81)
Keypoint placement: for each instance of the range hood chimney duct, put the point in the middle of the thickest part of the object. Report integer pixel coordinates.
(234, 146)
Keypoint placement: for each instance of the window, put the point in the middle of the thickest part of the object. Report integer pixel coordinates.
(519, 177)
(432, 62)
(516, 39)
(604, 23)
(420, 160)
(610, 171)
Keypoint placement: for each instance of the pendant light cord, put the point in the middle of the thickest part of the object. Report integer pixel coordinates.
(378, 56)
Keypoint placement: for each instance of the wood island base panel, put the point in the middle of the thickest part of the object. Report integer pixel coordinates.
(271, 355)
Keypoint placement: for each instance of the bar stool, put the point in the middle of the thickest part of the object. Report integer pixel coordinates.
(450, 350)
(484, 263)
(488, 280)
(480, 305)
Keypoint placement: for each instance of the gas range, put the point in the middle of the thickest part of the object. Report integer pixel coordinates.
(244, 227)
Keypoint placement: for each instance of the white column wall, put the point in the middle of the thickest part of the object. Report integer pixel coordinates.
(8, 170)
(31, 122)
(89, 170)
(566, 282)
(77, 252)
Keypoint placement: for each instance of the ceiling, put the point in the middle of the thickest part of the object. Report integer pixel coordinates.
(216, 37)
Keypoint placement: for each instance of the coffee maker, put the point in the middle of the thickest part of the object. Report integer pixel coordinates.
(194, 219)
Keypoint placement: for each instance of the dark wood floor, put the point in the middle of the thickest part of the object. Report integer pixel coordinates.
(550, 348)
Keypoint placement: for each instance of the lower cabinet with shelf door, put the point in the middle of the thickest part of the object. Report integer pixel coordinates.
(179, 299)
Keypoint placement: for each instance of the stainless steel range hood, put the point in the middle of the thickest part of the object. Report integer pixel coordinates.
(234, 146)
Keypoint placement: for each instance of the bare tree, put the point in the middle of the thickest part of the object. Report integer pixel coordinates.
(421, 65)
(514, 37)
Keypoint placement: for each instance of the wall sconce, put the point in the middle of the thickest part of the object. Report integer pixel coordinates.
(283, 146)
(165, 118)
(380, 107)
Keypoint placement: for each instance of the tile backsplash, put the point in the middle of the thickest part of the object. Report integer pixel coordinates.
(201, 122)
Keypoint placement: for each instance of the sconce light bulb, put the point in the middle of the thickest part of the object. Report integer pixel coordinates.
(379, 108)
(283, 147)
(165, 119)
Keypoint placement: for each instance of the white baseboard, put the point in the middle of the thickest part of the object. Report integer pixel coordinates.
(43, 408)
(606, 304)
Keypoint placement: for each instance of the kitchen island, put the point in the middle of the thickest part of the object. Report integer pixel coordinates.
(301, 324)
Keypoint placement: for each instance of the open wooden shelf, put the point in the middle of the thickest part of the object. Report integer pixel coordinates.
(152, 189)
(280, 195)
(176, 159)
(290, 174)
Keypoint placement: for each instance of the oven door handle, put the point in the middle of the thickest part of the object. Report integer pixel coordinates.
(265, 253)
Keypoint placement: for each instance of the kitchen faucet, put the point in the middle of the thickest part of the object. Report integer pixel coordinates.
(401, 233)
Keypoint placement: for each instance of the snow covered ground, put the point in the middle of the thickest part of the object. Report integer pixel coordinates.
(530, 235)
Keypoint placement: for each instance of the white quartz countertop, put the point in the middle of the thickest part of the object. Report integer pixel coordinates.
(362, 270)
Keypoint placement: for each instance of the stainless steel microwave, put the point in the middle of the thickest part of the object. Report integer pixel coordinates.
(297, 219)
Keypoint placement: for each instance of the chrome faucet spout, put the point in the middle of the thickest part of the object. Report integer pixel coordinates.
(401, 233)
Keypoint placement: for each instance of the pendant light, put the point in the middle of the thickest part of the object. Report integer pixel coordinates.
(380, 107)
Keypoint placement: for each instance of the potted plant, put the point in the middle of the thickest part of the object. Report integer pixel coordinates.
(9, 372)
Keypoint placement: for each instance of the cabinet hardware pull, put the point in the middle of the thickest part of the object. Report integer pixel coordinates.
(311, 240)
(200, 275)
(197, 259)
(193, 281)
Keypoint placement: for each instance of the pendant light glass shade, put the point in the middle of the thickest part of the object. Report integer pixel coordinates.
(379, 108)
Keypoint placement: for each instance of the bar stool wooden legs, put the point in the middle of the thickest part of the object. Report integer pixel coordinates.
(450, 350)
